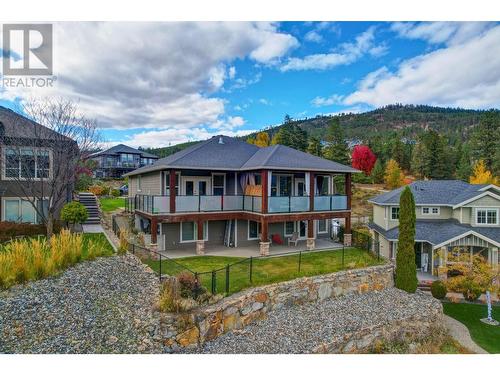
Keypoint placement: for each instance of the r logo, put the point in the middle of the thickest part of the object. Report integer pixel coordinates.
(27, 49)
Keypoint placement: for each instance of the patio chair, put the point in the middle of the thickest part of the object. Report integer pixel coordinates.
(294, 239)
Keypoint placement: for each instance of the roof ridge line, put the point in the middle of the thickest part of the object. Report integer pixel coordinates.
(194, 148)
(269, 156)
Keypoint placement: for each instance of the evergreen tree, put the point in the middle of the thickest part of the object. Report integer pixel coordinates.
(464, 169)
(378, 172)
(290, 134)
(432, 157)
(393, 176)
(486, 141)
(336, 148)
(406, 270)
(315, 147)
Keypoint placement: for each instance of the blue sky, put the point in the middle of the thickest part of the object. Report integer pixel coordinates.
(156, 84)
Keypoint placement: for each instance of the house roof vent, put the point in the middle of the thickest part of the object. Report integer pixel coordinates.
(221, 141)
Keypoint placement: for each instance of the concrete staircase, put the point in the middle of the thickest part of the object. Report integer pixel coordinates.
(90, 202)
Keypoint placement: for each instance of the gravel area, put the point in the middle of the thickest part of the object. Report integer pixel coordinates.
(103, 306)
(302, 328)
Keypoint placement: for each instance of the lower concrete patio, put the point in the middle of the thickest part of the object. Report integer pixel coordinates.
(248, 251)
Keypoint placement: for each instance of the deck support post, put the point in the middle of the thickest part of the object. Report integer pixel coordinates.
(154, 231)
(200, 241)
(172, 178)
(264, 237)
(311, 241)
(265, 184)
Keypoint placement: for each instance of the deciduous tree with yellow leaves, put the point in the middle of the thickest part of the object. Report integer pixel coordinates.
(393, 177)
(480, 175)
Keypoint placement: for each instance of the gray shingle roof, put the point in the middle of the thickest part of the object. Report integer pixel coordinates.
(121, 148)
(12, 124)
(437, 192)
(233, 154)
(439, 231)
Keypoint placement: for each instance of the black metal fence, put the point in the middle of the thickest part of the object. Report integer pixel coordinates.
(258, 270)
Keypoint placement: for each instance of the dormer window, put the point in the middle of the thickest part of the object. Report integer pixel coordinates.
(430, 210)
(485, 216)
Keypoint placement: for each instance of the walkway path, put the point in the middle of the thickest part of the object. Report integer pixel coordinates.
(460, 333)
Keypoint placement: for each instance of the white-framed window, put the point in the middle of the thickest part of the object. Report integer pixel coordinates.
(430, 210)
(25, 163)
(393, 247)
(189, 230)
(394, 213)
(218, 184)
(254, 230)
(322, 226)
(22, 211)
(487, 216)
(289, 228)
(139, 182)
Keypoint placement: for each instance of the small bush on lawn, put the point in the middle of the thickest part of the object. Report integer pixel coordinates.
(471, 291)
(74, 213)
(98, 190)
(115, 193)
(438, 289)
(32, 259)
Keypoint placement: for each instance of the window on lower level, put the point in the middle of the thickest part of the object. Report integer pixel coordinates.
(487, 216)
(21, 210)
(322, 226)
(394, 213)
(253, 230)
(289, 228)
(189, 231)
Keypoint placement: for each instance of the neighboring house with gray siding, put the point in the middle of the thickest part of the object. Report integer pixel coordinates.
(26, 165)
(120, 159)
(452, 215)
(224, 191)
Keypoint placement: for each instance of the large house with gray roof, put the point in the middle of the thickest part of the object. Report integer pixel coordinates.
(120, 159)
(227, 192)
(452, 216)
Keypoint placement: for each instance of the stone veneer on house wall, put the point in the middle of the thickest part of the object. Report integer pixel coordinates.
(235, 312)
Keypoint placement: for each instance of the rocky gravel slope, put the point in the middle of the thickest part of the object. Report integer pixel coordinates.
(304, 328)
(103, 306)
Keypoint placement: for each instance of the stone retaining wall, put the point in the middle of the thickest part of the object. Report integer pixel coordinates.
(236, 311)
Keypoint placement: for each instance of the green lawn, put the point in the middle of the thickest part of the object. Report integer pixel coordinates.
(265, 270)
(486, 336)
(111, 204)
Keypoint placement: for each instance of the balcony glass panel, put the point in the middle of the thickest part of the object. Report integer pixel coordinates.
(233, 203)
(257, 204)
(210, 203)
(161, 204)
(339, 202)
(186, 203)
(278, 204)
(322, 203)
(299, 204)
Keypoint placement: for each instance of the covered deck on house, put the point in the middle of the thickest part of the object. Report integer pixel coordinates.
(252, 250)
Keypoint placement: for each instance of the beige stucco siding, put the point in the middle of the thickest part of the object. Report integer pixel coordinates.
(379, 215)
(444, 213)
(150, 184)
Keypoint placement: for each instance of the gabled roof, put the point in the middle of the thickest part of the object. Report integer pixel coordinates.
(14, 125)
(437, 232)
(226, 153)
(124, 149)
(434, 192)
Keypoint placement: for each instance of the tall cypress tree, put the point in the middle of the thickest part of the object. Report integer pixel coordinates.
(406, 270)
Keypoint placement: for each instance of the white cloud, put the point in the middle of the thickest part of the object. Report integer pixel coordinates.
(240, 83)
(331, 100)
(463, 75)
(264, 101)
(173, 136)
(441, 32)
(346, 54)
(154, 75)
(313, 36)
(232, 72)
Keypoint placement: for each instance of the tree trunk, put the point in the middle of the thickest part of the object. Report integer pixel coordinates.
(50, 225)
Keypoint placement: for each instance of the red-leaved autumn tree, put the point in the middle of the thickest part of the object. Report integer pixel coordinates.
(363, 158)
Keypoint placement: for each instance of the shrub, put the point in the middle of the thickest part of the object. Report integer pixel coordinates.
(32, 259)
(10, 230)
(471, 291)
(169, 295)
(123, 245)
(83, 182)
(115, 193)
(187, 283)
(438, 289)
(74, 213)
(97, 190)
